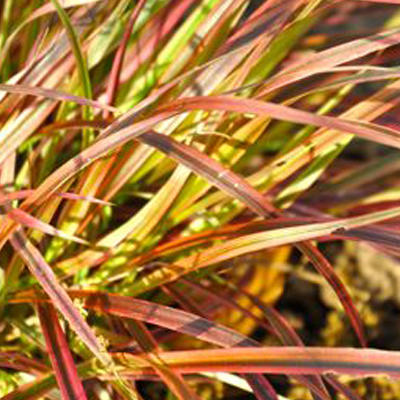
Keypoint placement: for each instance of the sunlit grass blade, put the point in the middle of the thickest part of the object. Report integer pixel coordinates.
(27, 220)
(322, 61)
(255, 242)
(375, 133)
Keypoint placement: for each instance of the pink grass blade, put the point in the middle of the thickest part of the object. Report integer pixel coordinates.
(371, 132)
(60, 355)
(287, 360)
(274, 360)
(29, 221)
(167, 317)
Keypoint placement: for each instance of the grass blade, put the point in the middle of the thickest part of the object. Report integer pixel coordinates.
(46, 277)
(61, 358)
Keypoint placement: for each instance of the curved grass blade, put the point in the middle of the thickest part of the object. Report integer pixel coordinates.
(255, 242)
(323, 266)
(54, 95)
(325, 60)
(61, 358)
(368, 131)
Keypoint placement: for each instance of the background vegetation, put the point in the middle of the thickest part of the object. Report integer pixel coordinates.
(199, 199)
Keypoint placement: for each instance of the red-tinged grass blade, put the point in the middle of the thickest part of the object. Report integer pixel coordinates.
(341, 388)
(325, 60)
(21, 363)
(384, 1)
(55, 95)
(29, 221)
(274, 360)
(60, 355)
(371, 132)
(46, 277)
(323, 266)
(167, 317)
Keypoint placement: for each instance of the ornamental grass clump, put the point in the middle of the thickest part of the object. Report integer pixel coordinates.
(167, 168)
